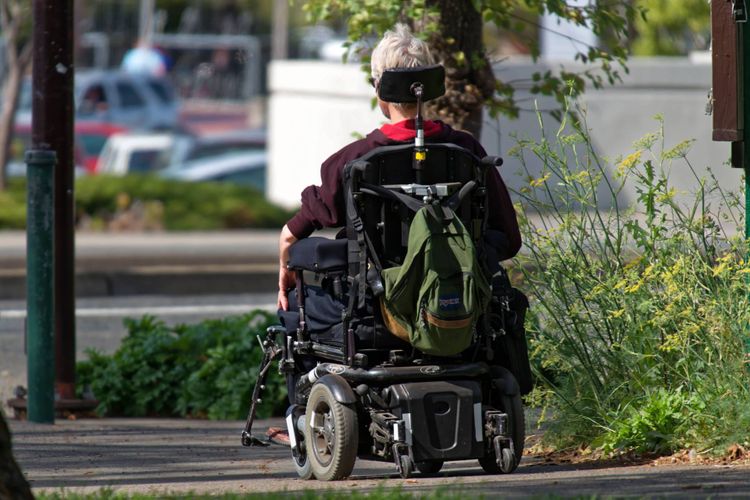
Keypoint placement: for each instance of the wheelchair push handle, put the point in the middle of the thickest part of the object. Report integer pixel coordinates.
(491, 161)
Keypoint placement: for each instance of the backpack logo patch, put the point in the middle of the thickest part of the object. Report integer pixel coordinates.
(449, 302)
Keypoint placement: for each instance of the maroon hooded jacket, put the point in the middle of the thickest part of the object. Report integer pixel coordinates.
(323, 206)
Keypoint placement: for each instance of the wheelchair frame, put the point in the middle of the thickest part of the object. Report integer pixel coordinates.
(350, 404)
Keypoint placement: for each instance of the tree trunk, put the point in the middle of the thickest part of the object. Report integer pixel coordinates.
(8, 118)
(469, 79)
(12, 483)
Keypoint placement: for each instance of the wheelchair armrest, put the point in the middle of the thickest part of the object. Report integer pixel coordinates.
(319, 254)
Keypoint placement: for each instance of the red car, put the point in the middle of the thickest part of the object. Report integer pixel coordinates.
(89, 141)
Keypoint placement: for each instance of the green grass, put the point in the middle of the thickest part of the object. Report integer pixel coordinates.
(380, 493)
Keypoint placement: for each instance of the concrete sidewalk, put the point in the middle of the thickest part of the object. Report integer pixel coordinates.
(189, 263)
(179, 456)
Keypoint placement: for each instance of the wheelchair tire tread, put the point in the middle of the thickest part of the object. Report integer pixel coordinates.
(346, 436)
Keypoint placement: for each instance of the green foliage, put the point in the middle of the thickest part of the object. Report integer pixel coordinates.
(168, 204)
(639, 311)
(204, 370)
(609, 20)
(13, 206)
(673, 27)
(186, 205)
(655, 426)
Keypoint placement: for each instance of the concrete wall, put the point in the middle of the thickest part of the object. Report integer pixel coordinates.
(317, 107)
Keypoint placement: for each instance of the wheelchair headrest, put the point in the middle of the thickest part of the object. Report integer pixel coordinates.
(396, 84)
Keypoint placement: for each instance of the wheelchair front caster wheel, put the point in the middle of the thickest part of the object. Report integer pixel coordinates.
(407, 467)
(507, 461)
(331, 436)
(302, 465)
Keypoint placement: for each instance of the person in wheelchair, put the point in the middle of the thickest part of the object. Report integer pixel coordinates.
(323, 205)
(396, 345)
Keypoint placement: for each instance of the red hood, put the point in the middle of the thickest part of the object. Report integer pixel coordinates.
(404, 131)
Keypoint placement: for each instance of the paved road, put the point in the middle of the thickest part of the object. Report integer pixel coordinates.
(100, 248)
(156, 263)
(141, 455)
(99, 323)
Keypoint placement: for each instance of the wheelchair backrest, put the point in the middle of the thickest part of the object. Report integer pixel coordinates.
(386, 221)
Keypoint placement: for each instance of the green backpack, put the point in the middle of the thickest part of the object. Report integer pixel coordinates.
(435, 297)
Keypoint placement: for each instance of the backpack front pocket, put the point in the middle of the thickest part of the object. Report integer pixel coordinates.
(446, 314)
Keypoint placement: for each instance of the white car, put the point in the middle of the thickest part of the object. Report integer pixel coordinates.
(187, 148)
(245, 168)
(133, 153)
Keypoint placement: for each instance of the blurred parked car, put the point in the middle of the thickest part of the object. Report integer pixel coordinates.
(133, 153)
(92, 136)
(247, 169)
(118, 98)
(193, 147)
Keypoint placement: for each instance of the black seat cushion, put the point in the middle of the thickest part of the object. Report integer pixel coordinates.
(318, 254)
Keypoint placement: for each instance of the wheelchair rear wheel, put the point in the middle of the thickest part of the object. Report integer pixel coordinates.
(330, 435)
(513, 406)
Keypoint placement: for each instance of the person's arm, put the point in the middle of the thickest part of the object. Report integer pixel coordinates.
(287, 277)
(500, 213)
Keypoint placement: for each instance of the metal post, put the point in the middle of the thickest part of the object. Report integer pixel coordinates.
(40, 333)
(280, 30)
(146, 21)
(52, 129)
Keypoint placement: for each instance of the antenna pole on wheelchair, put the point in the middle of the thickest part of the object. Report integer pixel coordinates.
(420, 154)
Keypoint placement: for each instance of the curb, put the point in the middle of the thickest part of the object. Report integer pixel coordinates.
(158, 280)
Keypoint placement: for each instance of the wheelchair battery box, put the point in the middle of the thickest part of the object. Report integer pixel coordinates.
(443, 419)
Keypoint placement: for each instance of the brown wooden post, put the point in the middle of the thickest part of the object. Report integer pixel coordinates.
(730, 57)
(727, 91)
(52, 129)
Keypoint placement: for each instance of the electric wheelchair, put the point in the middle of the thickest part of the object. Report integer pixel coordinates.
(355, 388)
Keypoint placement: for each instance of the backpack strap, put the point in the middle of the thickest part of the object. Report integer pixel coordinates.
(405, 199)
(444, 212)
(455, 200)
(363, 245)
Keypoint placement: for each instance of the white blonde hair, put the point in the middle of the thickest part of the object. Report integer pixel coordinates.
(399, 48)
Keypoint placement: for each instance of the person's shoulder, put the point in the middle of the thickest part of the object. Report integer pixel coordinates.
(355, 149)
(462, 138)
(457, 134)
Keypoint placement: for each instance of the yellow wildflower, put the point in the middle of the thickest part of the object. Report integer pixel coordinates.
(621, 284)
(629, 162)
(541, 180)
(721, 268)
(617, 313)
(634, 287)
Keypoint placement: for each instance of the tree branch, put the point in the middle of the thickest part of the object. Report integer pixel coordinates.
(24, 58)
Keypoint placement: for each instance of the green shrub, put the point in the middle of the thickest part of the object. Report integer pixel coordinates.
(204, 370)
(170, 204)
(639, 312)
(13, 205)
(186, 205)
